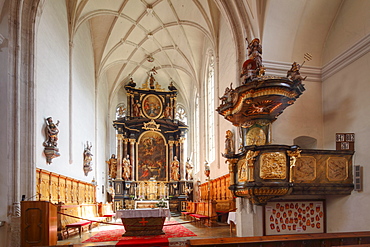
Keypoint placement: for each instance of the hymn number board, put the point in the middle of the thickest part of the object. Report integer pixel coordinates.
(345, 141)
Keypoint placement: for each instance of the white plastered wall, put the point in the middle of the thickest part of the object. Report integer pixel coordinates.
(346, 104)
(72, 103)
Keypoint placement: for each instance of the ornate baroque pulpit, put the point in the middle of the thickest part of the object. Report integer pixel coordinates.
(263, 171)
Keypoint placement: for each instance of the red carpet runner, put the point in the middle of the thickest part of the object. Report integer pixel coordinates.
(171, 231)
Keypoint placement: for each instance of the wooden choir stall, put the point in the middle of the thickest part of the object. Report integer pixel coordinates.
(149, 170)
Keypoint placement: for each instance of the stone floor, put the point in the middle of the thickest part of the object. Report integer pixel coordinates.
(217, 231)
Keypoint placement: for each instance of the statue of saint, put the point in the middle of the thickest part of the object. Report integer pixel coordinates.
(294, 73)
(112, 166)
(136, 109)
(87, 159)
(126, 174)
(207, 169)
(51, 132)
(167, 112)
(175, 167)
(189, 170)
(229, 143)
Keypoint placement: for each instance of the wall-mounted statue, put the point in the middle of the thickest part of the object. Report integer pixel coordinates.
(112, 166)
(126, 167)
(51, 132)
(175, 166)
(207, 169)
(87, 159)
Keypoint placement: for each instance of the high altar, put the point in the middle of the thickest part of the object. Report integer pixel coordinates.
(149, 165)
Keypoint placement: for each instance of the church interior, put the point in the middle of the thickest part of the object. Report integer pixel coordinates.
(236, 119)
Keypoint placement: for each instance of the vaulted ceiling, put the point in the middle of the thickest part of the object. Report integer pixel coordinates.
(130, 37)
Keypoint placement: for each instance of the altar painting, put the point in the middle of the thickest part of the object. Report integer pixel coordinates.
(152, 106)
(151, 157)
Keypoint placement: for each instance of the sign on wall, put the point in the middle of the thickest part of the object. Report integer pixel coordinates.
(294, 217)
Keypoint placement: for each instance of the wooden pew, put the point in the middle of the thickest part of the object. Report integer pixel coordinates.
(205, 213)
(190, 209)
(106, 210)
(315, 239)
(74, 218)
(217, 190)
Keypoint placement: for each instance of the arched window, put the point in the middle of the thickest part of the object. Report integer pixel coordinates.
(181, 114)
(305, 142)
(121, 111)
(210, 110)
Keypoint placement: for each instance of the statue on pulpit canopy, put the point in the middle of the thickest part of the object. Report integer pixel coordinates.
(175, 167)
(112, 166)
(126, 174)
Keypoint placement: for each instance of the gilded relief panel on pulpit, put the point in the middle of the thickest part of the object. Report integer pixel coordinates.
(152, 158)
(242, 170)
(273, 165)
(337, 169)
(305, 169)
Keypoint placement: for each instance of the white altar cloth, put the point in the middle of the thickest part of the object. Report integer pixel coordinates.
(143, 213)
(232, 217)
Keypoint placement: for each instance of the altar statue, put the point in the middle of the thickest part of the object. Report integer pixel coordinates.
(112, 166)
(126, 174)
(189, 170)
(136, 109)
(175, 167)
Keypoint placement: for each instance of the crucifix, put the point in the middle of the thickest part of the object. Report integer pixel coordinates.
(143, 221)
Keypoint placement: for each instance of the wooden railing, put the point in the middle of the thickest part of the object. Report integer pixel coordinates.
(317, 239)
(57, 188)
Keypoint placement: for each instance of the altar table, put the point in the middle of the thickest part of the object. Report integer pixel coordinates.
(140, 222)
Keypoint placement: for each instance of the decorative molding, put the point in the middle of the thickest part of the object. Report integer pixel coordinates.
(281, 69)
(355, 52)
(317, 74)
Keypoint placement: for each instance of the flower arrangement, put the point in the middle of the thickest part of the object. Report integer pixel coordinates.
(161, 204)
